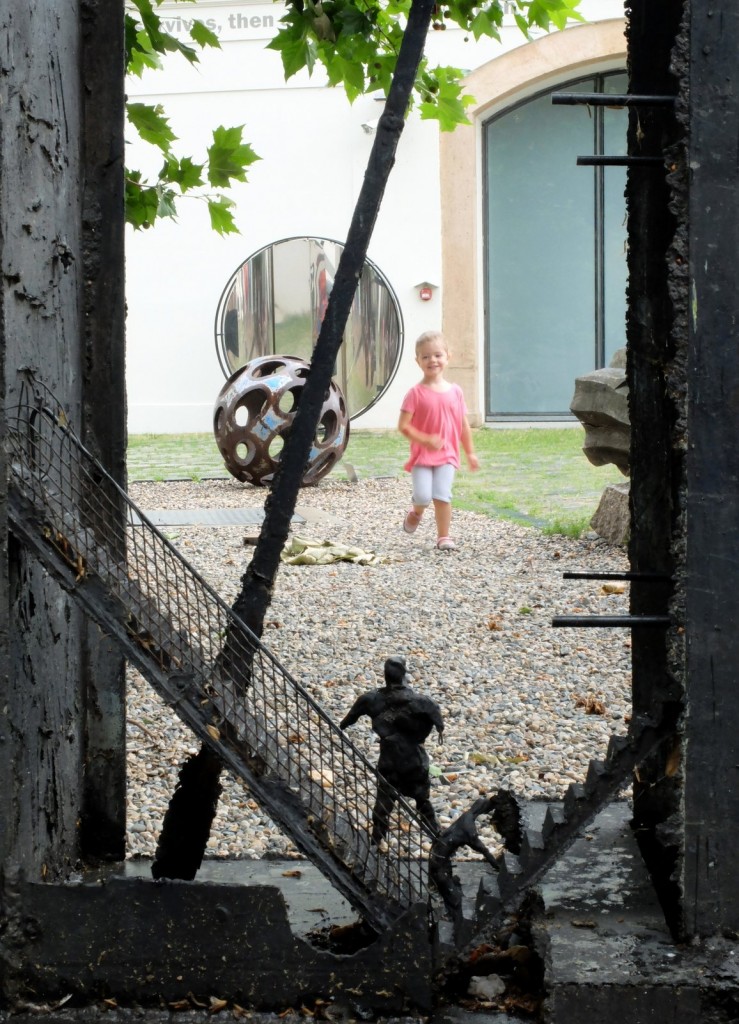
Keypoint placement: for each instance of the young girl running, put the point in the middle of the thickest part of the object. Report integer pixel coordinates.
(434, 419)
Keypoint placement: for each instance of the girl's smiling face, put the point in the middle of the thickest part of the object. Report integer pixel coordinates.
(432, 357)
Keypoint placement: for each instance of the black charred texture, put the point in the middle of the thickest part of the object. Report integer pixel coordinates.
(40, 291)
(657, 419)
(103, 421)
(711, 750)
(147, 946)
(62, 753)
(189, 817)
(652, 29)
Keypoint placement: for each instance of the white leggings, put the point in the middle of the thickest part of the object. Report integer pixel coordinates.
(432, 483)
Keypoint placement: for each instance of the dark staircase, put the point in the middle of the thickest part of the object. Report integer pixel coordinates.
(501, 893)
(206, 664)
(238, 699)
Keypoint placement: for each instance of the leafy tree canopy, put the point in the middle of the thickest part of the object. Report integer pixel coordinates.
(357, 45)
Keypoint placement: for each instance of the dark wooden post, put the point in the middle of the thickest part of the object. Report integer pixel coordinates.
(711, 748)
(654, 337)
(103, 413)
(62, 757)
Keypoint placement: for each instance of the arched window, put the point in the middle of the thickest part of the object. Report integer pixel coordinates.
(555, 237)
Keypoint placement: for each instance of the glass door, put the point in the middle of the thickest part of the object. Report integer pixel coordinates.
(555, 250)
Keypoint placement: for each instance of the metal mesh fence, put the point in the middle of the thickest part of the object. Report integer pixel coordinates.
(232, 689)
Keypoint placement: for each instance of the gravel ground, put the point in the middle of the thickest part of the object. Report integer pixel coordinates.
(526, 705)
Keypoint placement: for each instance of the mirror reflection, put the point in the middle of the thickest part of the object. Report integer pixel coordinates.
(274, 304)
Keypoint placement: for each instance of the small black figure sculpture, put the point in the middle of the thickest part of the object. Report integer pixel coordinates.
(506, 816)
(403, 719)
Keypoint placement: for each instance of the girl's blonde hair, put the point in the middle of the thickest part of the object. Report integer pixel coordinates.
(431, 336)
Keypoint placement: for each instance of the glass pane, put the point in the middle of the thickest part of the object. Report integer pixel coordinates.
(615, 123)
(541, 262)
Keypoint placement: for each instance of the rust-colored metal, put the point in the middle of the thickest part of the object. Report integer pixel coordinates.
(254, 412)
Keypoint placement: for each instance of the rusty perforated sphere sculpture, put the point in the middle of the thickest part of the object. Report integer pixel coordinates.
(253, 413)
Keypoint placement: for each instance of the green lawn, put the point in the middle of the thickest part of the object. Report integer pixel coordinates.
(536, 476)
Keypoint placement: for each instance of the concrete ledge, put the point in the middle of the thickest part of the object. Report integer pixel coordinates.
(151, 944)
(608, 953)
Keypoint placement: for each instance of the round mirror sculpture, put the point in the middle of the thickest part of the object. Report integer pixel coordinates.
(254, 411)
(275, 302)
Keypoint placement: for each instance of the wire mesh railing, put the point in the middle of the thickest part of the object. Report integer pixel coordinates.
(228, 687)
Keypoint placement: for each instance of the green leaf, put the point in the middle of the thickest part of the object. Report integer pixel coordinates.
(142, 59)
(349, 73)
(166, 207)
(203, 36)
(159, 40)
(142, 202)
(483, 25)
(358, 46)
(221, 218)
(151, 24)
(449, 113)
(448, 103)
(151, 124)
(296, 53)
(353, 20)
(185, 173)
(229, 157)
(523, 24)
(130, 37)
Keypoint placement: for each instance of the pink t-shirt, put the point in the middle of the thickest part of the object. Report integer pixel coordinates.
(436, 412)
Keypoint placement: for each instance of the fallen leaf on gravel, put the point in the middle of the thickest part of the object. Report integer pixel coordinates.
(590, 705)
(325, 777)
(477, 758)
(613, 588)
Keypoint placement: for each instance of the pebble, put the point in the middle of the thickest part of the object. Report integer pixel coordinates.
(474, 625)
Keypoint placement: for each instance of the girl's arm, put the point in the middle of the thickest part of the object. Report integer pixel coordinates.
(406, 428)
(469, 449)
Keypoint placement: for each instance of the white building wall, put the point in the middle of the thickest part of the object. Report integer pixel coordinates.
(314, 153)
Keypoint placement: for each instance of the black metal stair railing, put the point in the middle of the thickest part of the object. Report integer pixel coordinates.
(206, 664)
(234, 694)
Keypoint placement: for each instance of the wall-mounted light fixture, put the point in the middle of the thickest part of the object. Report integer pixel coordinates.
(426, 290)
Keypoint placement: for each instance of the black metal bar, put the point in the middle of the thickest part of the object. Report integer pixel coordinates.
(637, 577)
(618, 161)
(602, 99)
(611, 621)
